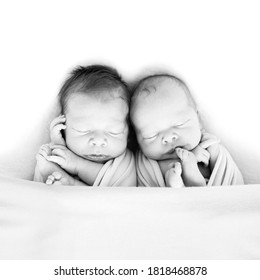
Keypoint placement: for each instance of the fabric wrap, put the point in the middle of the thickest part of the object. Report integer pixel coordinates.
(225, 171)
(118, 172)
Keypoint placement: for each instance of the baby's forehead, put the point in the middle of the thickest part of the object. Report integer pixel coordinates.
(95, 98)
(85, 110)
(161, 90)
(161, 93)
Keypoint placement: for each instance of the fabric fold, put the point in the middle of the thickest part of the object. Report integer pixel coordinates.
(120, 171)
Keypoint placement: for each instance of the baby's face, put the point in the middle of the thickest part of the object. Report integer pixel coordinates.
(96, 130)
(164, 121)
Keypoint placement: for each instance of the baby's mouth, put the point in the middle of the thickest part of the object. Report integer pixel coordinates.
(172, 150)
(97, 157)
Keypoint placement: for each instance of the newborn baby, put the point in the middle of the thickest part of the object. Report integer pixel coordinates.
(89, 140)
(175, 150)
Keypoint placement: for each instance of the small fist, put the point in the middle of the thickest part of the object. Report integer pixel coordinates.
(65, 158)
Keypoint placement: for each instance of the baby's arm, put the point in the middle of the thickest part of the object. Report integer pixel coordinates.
(86, 170)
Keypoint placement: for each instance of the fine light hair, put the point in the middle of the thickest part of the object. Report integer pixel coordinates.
(99, 81)
(150, 84)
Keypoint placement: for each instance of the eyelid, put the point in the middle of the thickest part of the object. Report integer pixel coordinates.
(118, 132)
(150, 137)
(82, 131)
(115, 133)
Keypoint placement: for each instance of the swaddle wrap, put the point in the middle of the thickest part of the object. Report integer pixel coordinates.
(118, 172)
(225, 171)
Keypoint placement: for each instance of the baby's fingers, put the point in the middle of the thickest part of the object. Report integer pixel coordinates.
(45, 147)
(55, 176)
(56, 159)
(45, 150)
(57, 146)
(57, 128)
(43, 153)
(58, 152)
(59, 120)
(50, 180)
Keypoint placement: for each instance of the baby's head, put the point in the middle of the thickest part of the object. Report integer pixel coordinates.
(164, 116)
(95, 102)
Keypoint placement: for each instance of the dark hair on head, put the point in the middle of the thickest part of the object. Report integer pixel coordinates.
(94, 80)
(149, 84)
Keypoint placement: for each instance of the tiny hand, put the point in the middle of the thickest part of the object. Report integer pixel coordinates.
(56, 126)
(64, 158)
(201, 154)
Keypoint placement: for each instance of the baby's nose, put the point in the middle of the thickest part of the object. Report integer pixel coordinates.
(98, 141)
(169, 138)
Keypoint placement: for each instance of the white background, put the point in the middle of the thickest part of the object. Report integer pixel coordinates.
(213, 45)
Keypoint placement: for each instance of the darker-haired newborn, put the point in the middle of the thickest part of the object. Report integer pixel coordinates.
(89, 140)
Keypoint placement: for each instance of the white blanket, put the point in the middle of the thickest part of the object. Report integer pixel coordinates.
(67, 222)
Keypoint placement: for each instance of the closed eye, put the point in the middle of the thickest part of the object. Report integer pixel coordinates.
(114, 133)
(150, 137)
(82, 131)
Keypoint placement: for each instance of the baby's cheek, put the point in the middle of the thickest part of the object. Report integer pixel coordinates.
(119, 142)
(197, 139)
(123, 142)
(147, 148)
(73, 143)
